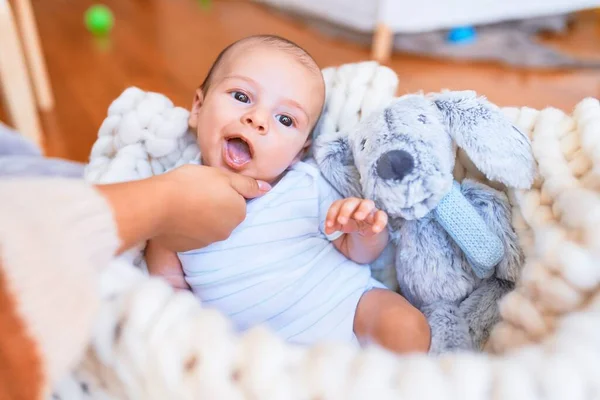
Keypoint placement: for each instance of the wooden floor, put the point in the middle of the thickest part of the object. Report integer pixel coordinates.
(168, 45)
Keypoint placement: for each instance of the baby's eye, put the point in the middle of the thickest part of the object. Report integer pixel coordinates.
(285, 120)
(239, 96)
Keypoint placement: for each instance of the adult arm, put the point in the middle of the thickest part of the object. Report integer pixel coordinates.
(57, 234)
(189, 207)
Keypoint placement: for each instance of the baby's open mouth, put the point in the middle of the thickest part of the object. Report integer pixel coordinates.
(237, 152)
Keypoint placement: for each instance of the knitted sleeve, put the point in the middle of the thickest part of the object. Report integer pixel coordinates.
(466, 226)
(55, 236)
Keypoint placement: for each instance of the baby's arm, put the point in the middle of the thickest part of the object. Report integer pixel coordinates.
(165, 263)
(364, 229)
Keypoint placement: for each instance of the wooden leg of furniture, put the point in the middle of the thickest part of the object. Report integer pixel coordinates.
(33, 52)
(14, 78)
(383, 41)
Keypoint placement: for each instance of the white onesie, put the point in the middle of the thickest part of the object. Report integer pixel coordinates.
(278, 267)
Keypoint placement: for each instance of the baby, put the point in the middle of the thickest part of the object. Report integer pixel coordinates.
(297, 262)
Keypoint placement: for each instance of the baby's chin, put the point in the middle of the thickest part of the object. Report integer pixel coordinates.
(271, 179)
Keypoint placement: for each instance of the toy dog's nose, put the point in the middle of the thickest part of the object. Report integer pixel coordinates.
(395, 164)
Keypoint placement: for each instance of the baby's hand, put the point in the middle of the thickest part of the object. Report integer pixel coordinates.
(355, 215)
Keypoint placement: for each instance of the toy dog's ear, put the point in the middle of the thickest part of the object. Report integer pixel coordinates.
(496, 147)
(333, 154)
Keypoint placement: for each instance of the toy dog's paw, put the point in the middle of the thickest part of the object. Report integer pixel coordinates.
(449, 330)
(481, 311)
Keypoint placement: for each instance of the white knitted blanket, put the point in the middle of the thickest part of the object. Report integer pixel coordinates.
(152, 343)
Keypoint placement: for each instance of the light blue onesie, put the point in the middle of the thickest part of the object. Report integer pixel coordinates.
(280, 269)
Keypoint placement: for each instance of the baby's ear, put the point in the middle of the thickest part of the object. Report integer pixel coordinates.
(333, 154)
(196, 104)
(496, 147)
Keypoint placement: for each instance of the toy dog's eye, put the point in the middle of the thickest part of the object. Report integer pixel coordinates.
(362, 144)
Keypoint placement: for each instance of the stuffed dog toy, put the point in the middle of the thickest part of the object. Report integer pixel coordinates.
(456, 251)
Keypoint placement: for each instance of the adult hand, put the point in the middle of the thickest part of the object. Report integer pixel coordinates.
(205, 205)
(186, 208)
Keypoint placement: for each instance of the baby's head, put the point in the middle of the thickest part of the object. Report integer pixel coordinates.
(256, 109)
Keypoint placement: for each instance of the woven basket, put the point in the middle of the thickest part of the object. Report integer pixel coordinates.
(152, 343)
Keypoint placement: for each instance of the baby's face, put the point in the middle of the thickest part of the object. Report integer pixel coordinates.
(258, 112)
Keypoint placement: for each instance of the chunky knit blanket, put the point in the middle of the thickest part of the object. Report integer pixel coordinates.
(152, 343)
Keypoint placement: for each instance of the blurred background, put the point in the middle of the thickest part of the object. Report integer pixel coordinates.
(533, 53)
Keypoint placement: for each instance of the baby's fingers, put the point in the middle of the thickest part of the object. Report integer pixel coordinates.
(347, 209)
(331, 223)
(365, 209)
(380, 220)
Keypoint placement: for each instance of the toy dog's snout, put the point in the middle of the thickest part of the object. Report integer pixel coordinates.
(395, 164)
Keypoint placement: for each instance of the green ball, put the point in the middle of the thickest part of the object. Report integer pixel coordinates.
(99, 19)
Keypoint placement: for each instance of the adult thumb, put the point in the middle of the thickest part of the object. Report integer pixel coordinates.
(248, 187)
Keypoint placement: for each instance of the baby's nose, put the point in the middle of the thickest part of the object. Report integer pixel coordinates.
(256, 123)
(395, 164)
